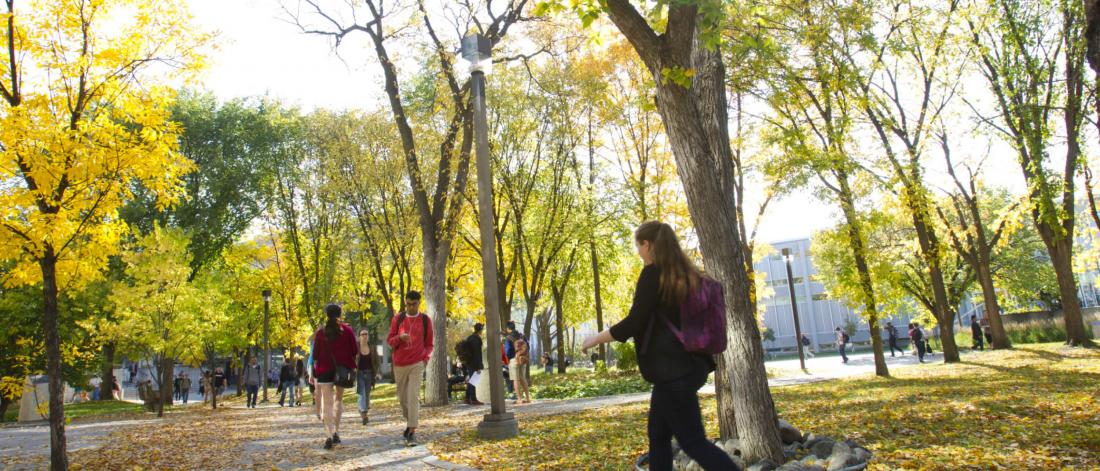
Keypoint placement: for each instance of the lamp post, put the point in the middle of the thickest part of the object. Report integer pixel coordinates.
(499, 423)
(267, 347)
(794, 309)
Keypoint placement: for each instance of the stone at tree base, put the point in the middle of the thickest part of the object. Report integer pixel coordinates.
(841, 457)
(862, 454)
(732, 447)
(788, 433)
(809, 440)
(823, 448)
(763, 465)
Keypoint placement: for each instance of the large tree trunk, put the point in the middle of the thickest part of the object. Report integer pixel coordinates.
(107, 372)
(992, 306)
(696, 124)
(4, 403)
(930, 247)
(859, 254)
(559, 321)
(59, 460)
(435, 299)
(1061, 257)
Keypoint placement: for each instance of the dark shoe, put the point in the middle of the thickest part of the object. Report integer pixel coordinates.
(410, 440)
(335, 438)
(405, 434)
(328, 443)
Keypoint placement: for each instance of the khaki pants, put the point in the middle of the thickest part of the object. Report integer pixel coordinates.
(408, 391)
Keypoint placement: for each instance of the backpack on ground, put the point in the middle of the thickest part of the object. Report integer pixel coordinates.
(702, 319)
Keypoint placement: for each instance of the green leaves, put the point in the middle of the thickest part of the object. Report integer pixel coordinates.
(678, 75)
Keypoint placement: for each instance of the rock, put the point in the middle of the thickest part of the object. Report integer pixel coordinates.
(788, 433)
(814, 467)
(823, 448)
(809, 440)
(763, 465)
(840, 457)
(732, 447)
(792, 466)
(862, 454)
(738, 461)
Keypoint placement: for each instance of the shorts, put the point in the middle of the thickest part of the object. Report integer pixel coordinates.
(326, 377)
(517, 370)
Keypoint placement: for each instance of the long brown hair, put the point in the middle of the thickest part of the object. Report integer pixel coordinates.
(678, 274)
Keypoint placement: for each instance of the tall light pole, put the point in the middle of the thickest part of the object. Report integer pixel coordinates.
(267, 347)
(499, 423)
(794, 309)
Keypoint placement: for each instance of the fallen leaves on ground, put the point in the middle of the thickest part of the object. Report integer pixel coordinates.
(1035, 407)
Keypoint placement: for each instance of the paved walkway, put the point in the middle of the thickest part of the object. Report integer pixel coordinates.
(290, 438)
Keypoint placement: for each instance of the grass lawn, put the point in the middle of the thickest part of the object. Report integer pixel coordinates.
(1034, 407)
(85, 410)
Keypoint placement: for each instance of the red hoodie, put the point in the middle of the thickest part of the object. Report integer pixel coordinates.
(343, 350)
(419, 346)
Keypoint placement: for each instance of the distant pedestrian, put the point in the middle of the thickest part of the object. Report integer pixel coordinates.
(176, 396)
(116, 390)
(334, 348)
(806, 350)
(219, 383)
(412, 340)
(252, 377)
(299, 379)
(185, 387)
(676, 374)
(547, 363)
(842, 343)
(892, 334)
(369, 368)
(927, 339)
(976, 334)
(916, 337)
(987, 330)
(288, 382)
(472, 362)
(517, 369)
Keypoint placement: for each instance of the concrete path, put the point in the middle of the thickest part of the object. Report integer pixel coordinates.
(290, 438)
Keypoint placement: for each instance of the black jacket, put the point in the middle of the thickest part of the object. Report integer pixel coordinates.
(663, 359)
(473, 346)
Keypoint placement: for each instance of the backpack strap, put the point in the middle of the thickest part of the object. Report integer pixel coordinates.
(649, 331)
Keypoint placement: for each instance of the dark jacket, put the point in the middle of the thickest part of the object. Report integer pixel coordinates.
(474, 345)
(663, 359)
(287, 373)
(975, 329)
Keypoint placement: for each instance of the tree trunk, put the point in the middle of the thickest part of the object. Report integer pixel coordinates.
(4, 403)
(695, 123)
(59, 460)
(107, 372)
(167, 364)
(859, 254)
(598, 296)
(435, 299)
(1062, 258)
(930, 247)
(992, 307)
(559, 321)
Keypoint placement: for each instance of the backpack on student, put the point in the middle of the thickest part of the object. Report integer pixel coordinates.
(845, 336)
(702, 319)
(462, 351)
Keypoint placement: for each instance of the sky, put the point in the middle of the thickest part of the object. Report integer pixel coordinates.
(260, 52)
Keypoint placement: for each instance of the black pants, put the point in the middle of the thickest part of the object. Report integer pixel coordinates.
(894, 346)
(253, 391)
(979, 343)
(840, 348)
(920, 350)
(674, 412)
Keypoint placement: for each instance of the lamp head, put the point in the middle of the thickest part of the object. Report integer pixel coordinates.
(267, 295)
(787, 255)
(476, 54)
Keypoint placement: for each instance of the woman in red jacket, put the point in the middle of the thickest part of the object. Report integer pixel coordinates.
(333, 345)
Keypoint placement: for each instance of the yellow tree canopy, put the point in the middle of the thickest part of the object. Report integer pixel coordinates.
(84, 116)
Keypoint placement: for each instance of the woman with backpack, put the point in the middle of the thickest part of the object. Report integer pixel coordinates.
(334, 349)
(665, 282)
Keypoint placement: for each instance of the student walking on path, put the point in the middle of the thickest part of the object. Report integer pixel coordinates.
(288, 382)
(842, 343)
(472, 363)
(252, 377)
(976, 334)
(185, 387)
(676, 375)
(916, 337)
(892, 332)
(334, 349)
(369, 371)
(411, 339)
(518, 369)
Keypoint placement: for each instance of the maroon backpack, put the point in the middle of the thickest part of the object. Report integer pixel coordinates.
(702, 320)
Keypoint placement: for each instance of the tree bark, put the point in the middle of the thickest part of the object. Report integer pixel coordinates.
(859, 254)
(596, 293)
(992, 306)
(59, 460)
(697, 127)
(107, 372)
(167, 364)
(930, 249)
(435, 299)
(1061, 256)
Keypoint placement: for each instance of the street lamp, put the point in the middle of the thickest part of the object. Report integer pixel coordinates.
(267, 347)
(794, 309)
(499, 423)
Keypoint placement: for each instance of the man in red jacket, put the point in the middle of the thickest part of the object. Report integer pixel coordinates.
(411, 339)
